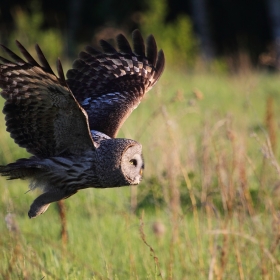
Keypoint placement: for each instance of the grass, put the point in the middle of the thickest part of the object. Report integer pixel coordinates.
(208, 207)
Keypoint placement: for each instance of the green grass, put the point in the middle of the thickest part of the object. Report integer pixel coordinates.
(207, 208)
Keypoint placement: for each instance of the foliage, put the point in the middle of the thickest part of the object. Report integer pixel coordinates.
(28, 30)
(178, 39)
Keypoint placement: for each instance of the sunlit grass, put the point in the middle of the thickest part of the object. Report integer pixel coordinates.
(207, 208)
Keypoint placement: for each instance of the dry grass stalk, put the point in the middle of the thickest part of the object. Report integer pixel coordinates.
(190, 189)
(238, 259)
(263, 265)
(276, 230)
(19, 257)
(213, 266)
(231, 172)
(224, 254)
(271, 123)
(244, 182)
(253, 240)
(206, 168)
(131, 249)
(206, 200)
(143, 237)
(222, 187)
(16, 254)
(62, 215)
(226, 169)
(221, 166)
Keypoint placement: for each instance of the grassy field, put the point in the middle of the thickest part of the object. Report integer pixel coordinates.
(208, 207)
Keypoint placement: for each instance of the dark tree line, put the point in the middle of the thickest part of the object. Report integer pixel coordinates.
(224, 27)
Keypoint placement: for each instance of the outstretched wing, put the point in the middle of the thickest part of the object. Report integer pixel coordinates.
(110, 85)
(42, 114)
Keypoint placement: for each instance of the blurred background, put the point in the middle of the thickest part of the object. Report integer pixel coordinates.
(238, 32)
(208, 206)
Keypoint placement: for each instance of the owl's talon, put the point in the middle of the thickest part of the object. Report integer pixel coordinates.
(35, 210)
(42, 202)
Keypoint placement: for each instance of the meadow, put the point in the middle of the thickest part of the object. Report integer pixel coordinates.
(208, 207)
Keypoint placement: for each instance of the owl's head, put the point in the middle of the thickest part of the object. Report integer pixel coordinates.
(119, 162)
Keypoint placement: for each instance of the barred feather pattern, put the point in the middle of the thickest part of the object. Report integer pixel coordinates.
(69, 125)
(110, 85)
(41, 113)
(71, 173)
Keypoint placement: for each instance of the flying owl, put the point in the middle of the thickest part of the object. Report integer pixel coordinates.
(69, 124)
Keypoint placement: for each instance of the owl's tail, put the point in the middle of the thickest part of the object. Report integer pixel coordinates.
(21, 169)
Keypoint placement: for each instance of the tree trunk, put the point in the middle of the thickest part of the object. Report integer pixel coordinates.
(201, 22)
(75, 7)
(274, 15)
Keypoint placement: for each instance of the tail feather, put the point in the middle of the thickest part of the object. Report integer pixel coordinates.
(21, 169)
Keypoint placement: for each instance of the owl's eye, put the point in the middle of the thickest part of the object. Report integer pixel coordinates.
(133, 162)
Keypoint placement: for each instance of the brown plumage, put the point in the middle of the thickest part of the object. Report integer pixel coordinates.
(69, 124)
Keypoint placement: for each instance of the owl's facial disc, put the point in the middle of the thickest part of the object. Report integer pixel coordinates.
(133, 164)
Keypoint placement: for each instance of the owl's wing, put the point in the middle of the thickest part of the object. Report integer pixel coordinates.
(42, 115)
(109, 85)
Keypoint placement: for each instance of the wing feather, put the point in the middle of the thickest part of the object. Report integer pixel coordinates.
(110, 85)
(41, 113)
(43, 60)
(13, 55)
(60, 71)
(123, 44)
(92, 50)
(138, 43)
(27, 55)
(108, 48)
(152, 50)
(159, 65)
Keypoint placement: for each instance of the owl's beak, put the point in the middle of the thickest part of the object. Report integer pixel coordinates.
(137, 179)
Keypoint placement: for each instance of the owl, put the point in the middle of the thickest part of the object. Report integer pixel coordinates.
(69, 124)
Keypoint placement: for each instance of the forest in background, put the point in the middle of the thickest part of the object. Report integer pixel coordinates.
(187, 28)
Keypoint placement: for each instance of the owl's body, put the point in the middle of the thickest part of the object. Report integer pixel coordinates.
(70, 125)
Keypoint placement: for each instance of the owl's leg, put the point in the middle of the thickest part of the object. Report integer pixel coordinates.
(42, 202)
